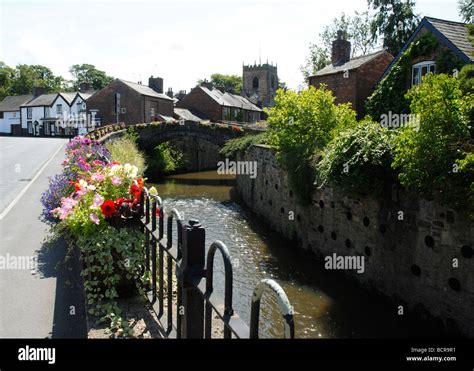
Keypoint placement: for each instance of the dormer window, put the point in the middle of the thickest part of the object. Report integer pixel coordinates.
(59, 109)
(421, 69)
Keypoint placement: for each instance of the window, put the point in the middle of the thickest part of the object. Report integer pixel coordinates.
(255, 83)
(421, 69)
(59, 109)
(226, 113)
(29, 113)
(1, 115)
(79, 106)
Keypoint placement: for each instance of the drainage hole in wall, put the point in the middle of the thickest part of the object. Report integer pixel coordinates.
(454, 284)
(348, 243)
(367, 251)
(415, 269)
(334, 236)
(466, 251)
(366, 221)
(349, 215)
(321, 204)
(320, 228)
(429, 241)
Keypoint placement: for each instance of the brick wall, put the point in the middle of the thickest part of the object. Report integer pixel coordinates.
(358, 85)
(138, 107)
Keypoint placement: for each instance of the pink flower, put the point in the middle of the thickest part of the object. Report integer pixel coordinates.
(97, 201)
(95, 219)
(116, 180)
(98, 177)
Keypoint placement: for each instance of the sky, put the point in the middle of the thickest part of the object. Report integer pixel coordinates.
(179, 40)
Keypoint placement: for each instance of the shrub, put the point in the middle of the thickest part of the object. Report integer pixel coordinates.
(125, 150)
(389, 94)
(301, 124)
(358, 160)
(164, 159)
(426, 158)
(232, 146)
(59, 187)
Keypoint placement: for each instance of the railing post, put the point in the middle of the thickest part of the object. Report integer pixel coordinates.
(192, 269)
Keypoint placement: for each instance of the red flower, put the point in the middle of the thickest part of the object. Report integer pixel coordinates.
(108, 208)
(140, 182)
(115, 163)
(135, 190)
(77, 187)
(157, 211)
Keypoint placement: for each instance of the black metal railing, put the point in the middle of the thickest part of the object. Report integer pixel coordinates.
(187, 312)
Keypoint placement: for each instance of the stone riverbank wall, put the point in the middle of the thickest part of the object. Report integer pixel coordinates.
(417, 252)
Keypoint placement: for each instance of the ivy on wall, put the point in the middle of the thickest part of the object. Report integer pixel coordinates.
(390, 93)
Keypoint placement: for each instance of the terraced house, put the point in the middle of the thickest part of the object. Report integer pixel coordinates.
(218, 105)
(54, 114)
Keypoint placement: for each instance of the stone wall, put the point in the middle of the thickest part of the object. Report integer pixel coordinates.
(408, 244)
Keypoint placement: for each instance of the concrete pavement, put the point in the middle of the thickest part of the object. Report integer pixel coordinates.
(46, 302)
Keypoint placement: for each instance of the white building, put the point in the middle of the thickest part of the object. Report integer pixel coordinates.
(54, 114)
(10, 113)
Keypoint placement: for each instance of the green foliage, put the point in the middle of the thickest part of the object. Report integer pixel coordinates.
(301, 124)
(358, 160)
(426, 158)
(111, 258)
(390, 92)
(230, 83)
(232, 146)
(125, 151)
(357, 29)
(164, 159)
(466, 10)
(394, 21)
(90, 74)
(466, 78)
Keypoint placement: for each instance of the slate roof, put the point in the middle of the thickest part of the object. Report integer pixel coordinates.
(352, 64)
(13, 103)
(454, 35)
(456, 32)
(230, 100)
(69, 97)
(144, 90)
(42, 100)
(186, 114)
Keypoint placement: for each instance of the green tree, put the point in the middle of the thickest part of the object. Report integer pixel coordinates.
(466, 10)
(394, 21)
(317, 59)
(90, 74)
(6, 79)
(426, 157)
(300, 125)
(230, 83)
(27, 76)
(357, 29)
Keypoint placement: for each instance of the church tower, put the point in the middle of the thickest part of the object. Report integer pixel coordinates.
(260, 83)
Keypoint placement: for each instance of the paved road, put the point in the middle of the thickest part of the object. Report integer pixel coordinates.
(38, 303)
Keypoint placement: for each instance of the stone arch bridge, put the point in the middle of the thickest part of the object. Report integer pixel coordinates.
(200, 143)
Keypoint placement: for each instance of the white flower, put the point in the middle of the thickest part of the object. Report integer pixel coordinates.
(153, 192)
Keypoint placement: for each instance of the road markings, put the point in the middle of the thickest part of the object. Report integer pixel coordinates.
(23, 191)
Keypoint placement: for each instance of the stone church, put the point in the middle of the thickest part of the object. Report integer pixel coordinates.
(260, 82)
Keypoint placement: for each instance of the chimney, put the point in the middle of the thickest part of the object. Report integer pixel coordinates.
(181, 94)
(341, 49)
(169, 93)
(207, 84)
(84, 86)
(156, 83)
(39, 90)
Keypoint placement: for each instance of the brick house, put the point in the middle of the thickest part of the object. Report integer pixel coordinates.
(452, 37)
(136, 103)
(217, 105)
(351, 80)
